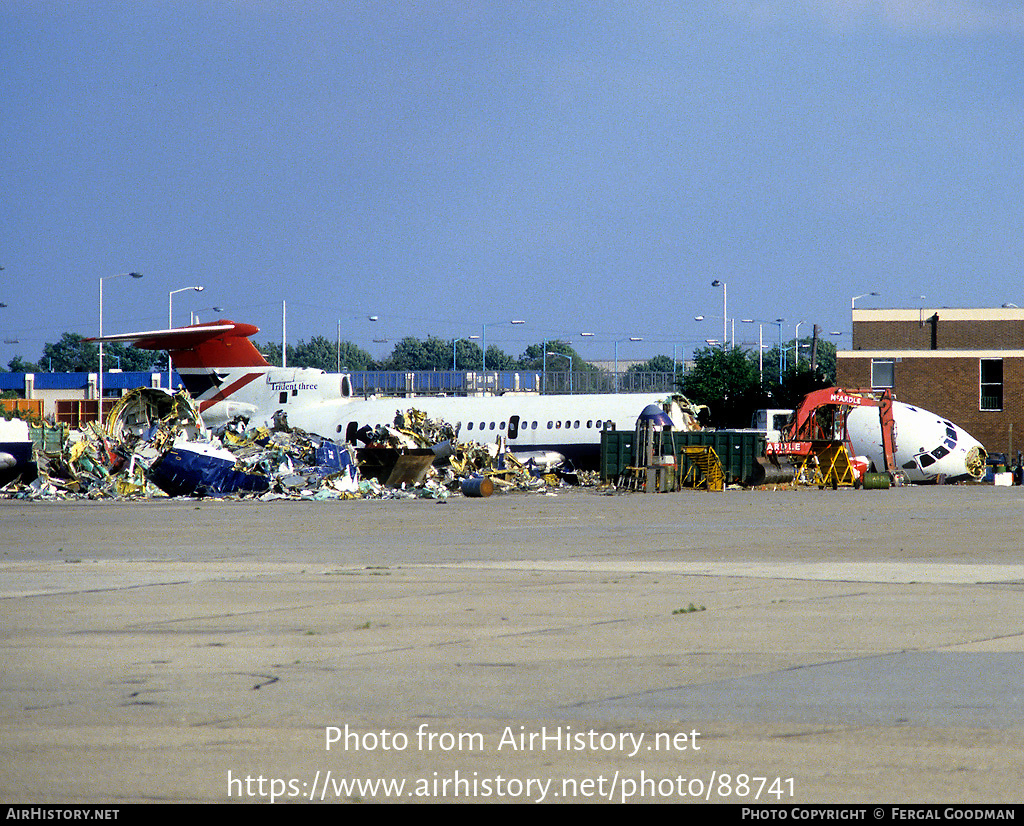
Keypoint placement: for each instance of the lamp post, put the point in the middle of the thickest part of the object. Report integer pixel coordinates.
(782, 353)
(369, 318)
(170, 302)
(725, 330)
(455, 343)
(725, 311)
(170, 322)
(796, 343)
(853, 301)
(99, 382)
(631, 338)
(587, 335)
(193, 316)
(760, 345)
(675, 361)
(544, 366)
(568, 358)
(853, 306)
(483, 335)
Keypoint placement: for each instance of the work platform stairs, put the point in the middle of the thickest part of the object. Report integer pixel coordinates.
(828, 465)
(705, 469)
(700, 469)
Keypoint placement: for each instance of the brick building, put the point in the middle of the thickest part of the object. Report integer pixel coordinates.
(966, 365)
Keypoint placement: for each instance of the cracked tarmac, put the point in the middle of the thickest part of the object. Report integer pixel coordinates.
(866, 644)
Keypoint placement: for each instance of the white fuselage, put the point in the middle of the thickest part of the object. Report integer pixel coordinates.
(15, 449)
(927, 445)
(318, 403)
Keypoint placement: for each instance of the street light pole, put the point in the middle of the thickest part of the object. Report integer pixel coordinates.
(193, 315)
(369, 318)
(853, 306)
(853, 301)
(631, 338)
(483, 336)
(760, 345)
(782, 353)
(455, 343)
(586, 335)
(170, 323)
(99, 382)
(725, 311)
(568, 358)
(170, 303)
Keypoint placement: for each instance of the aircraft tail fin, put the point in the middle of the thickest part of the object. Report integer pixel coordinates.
(216, 345)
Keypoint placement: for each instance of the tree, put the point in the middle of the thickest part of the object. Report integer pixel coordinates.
(412, 353)
(498, 359)
(323, 354)
(826, 358)
(533, 357)
(798, 379)
(658, 364)
(726, 381)
(19, 365)
(469, 355)
(355, 358)
(72, 354)
(132, 359)
(318, 353)
(271, 351)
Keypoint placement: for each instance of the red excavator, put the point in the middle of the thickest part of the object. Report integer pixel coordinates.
(818, 427)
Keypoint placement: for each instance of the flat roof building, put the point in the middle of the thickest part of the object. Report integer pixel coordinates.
(964, 364)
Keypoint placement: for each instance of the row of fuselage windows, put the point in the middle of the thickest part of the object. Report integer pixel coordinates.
(560, 424)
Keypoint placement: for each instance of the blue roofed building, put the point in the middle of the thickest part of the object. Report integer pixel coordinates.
(71, 397)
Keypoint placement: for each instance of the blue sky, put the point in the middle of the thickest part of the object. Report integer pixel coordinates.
(583, 166)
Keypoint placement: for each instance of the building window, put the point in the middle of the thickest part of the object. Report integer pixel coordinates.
(883, 373)
(991, 384)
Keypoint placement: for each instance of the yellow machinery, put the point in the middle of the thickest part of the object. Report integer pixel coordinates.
(705, 469)
(828, 466)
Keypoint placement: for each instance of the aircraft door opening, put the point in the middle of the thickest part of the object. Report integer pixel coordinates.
(513, 427)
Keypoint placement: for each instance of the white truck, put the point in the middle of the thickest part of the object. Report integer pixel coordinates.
(771, 422)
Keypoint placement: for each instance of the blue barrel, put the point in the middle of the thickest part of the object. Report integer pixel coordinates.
(477, 486)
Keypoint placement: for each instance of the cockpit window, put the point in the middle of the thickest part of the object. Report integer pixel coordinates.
(939, 452)
(925, 460)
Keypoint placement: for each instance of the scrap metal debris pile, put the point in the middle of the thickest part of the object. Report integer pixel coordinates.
(453, 461)
(154, 444)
